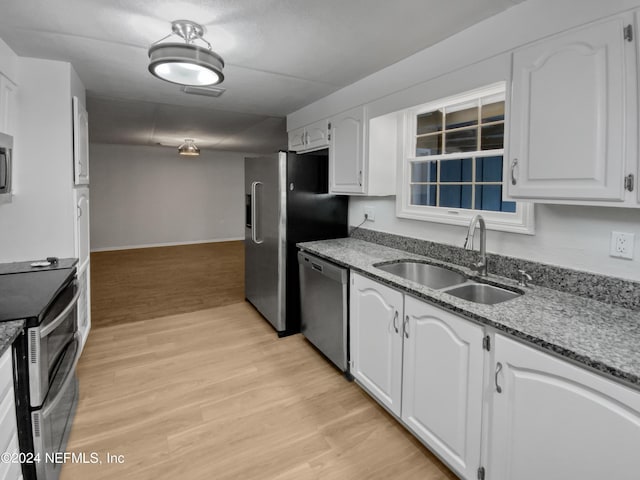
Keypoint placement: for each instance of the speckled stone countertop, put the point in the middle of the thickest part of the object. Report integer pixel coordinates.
(9, 331)
(601, 336)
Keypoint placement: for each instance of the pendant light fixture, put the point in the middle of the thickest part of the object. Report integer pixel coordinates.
(189, 148)
(186, 63)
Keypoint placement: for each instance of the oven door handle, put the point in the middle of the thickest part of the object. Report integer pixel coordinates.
(46, 411)
(47, 329)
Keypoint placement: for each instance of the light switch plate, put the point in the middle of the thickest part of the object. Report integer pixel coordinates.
(622, 245)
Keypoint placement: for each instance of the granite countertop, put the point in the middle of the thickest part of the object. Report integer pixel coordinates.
(599, 335)
(9, 331)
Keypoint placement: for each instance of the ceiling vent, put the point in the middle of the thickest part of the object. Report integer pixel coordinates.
(204, 91)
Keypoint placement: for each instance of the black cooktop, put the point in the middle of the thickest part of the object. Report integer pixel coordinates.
(27, 295)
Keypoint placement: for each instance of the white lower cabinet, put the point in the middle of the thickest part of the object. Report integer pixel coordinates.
(556, 421)
(425, 365)
(533, 416)
(376, 340)
(8, 425)
(442, 378)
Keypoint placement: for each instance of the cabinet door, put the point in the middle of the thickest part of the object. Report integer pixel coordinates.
(297, 140)
(84, 303)
(557, 421)
(376, 340)
(346, 154)
(80, 143)
(442, 383)
(82, 226)
(567, 119)
(317, 135)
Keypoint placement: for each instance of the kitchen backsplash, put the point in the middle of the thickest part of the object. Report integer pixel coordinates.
(616, 291)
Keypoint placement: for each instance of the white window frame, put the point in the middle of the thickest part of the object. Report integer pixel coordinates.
(522, 221)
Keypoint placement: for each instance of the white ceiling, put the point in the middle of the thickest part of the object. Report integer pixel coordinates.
(280, 55)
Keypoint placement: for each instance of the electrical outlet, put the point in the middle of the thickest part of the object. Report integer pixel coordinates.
(370, 213)
(622, 245)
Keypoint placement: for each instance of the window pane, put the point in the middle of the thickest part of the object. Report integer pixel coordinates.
(463, 115)
(489, 197)
(424, 172)
(429, 122)
(430, 145)
(423, 195)
(455, 196)
(493, 112)
(509, 207)
(493, 137)
(455, 170)
(489, 169)
(462, 141)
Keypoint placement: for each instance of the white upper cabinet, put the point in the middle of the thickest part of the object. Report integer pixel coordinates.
(7, 105)
(80, 143)
(442, 383)
(568, 121)
(309, 138)
(376, 340)
(362, 154)
(297, 139)
(346, 155)
(552, 420)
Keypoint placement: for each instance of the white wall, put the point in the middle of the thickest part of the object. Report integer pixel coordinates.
(570, 236)
(39, 220)
(142, 196)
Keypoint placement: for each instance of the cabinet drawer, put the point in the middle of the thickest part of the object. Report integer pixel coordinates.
(6, 373)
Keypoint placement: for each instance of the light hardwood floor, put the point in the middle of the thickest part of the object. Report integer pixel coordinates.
(214, 394)
(145, 283)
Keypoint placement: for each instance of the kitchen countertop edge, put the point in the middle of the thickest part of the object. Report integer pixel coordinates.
(9, 331)
(462, 307)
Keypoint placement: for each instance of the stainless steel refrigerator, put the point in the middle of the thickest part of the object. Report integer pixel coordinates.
(286, 203)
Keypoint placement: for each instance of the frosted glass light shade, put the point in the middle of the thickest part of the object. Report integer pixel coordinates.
(188, 148)
(185, 64)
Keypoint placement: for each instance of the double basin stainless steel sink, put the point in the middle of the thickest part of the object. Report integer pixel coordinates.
(451, 282)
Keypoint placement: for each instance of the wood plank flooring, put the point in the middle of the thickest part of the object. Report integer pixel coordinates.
(214, 394)
(145, 283)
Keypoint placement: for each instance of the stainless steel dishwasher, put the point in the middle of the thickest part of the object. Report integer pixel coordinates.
(323, 294)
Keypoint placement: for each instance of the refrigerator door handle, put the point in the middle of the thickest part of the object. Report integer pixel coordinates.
(254, 212)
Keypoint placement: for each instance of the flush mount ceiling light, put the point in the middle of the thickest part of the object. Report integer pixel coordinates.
(189, 148)
(186, 63)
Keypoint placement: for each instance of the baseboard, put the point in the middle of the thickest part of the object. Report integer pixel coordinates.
(168, 244)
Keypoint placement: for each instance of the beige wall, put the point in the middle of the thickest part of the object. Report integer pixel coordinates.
(144, 196)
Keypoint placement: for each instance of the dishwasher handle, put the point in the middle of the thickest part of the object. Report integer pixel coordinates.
(323, 267)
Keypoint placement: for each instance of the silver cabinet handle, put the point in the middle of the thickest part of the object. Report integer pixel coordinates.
(395, 321)
(406, 326)
(306, 138)
(360, 177)
(514, 164)
(79, 211)
(498, 370)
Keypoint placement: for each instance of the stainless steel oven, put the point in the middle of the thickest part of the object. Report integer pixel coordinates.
(48, 340)
(51, 423)
(47, 387)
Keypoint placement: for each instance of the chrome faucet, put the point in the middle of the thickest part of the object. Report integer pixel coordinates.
(481, 266)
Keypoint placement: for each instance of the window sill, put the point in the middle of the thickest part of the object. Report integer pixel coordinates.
(521, 222)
